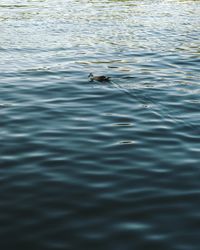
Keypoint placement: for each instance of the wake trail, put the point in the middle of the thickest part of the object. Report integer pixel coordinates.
(163, 113)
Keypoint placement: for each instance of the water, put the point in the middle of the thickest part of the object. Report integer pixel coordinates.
(88, 165)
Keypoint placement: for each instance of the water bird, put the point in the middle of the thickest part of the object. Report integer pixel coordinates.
(99, 78)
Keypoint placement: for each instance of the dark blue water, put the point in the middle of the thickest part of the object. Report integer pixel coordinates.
(88, 165)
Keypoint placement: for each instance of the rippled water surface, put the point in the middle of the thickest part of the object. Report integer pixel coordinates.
(104, 166)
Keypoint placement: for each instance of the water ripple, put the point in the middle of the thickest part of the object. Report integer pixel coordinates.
(88, 165)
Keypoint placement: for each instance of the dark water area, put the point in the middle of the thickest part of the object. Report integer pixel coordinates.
(89, 165)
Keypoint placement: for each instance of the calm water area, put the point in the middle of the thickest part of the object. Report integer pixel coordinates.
(99, 166)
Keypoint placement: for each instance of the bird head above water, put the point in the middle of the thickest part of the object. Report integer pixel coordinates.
(98, 78)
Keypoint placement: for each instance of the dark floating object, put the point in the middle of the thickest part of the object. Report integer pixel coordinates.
(99, 78)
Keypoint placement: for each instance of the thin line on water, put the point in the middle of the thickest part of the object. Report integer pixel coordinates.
(161, 114)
